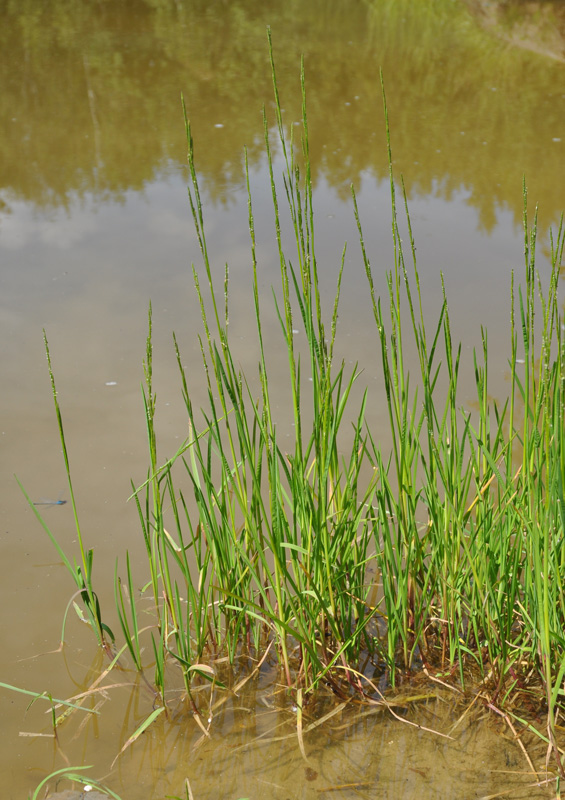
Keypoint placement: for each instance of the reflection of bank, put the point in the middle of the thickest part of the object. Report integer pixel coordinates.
(536, 26)
(111, 84)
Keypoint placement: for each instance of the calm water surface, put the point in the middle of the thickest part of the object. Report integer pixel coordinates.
(95, 224)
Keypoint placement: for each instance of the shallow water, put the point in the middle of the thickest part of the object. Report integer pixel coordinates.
(440, 744)
(95, 223)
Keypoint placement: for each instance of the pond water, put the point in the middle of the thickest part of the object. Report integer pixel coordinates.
(95, 224)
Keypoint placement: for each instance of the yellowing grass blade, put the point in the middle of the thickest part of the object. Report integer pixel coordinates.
(143, 727)
(299, 725)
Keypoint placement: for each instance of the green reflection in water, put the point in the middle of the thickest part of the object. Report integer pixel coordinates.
(91, 97)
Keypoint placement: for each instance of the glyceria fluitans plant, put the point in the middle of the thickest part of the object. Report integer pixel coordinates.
(449, 551)
(81, 572)
(280, 537)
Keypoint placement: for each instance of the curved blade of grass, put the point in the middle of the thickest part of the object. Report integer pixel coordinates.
(45, 696)
(137, 733)
(72, 774)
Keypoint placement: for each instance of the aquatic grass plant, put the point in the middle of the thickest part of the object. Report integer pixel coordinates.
(460, 531)
(446, 553)
(81, 572)
(280, 538)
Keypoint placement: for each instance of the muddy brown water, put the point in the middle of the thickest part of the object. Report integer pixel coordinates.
(70, 794)
(95, 223)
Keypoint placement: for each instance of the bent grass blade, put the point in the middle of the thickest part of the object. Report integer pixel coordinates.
(46, 696)
(74, 774)
(135, 736)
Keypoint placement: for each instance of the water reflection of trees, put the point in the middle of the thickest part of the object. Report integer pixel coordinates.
(90, 100)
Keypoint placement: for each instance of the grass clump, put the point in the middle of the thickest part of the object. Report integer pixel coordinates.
(447, 552)
(279, 542)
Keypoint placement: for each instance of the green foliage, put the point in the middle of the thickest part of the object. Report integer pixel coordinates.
(286, 541)
(447, 551)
